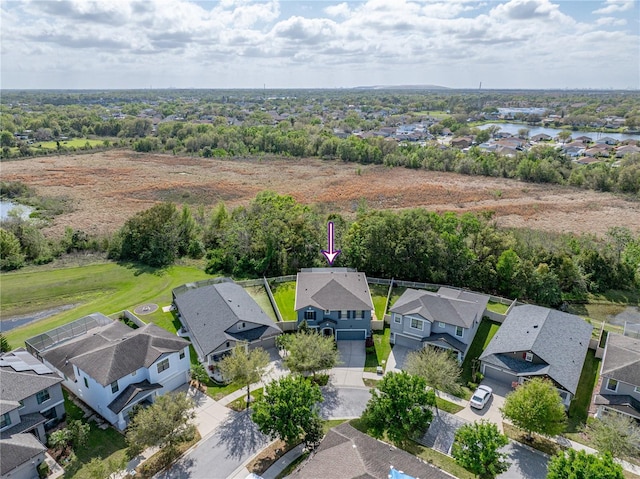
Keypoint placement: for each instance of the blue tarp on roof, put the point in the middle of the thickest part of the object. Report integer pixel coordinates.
(395, 474)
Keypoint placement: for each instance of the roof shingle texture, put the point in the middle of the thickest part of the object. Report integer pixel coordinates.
(111, 352)
(622, 359)
(346, 453)
(333, 290)
(16, 385)
(451, 306)
(210, 313)
(17, 450)
(559, 339)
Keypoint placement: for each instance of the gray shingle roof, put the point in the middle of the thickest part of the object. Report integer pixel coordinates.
(346, 453)
(211, 314)
(559, 339)
(16, 385)
(131, 393)
(17, 450)
(332, 290)
(451, 306)
(111, 352)
(622, 359)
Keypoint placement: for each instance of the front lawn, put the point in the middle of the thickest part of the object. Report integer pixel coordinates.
(285, 296)
(486, 330)
(379, 354)
(579, 407)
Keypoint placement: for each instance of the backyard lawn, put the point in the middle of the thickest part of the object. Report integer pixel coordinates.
(579, 408)
(260, 296)
(285, 296)
(103, 287)
(497, 307)
(485, 332)
(381, 350)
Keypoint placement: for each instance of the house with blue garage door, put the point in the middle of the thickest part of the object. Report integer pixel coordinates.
(335, 301)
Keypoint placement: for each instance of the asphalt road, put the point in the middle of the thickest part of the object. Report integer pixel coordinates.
(525, 463)
(235, 441)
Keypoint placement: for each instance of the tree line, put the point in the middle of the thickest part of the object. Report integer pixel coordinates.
(274, 235)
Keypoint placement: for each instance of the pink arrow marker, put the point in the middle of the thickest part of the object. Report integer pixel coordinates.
(331, 253)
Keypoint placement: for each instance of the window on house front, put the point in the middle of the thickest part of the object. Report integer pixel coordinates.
(42, 396)
(182, 354)
(5, 421)
(162, 365)
(310, 315)
(612, 384)
(441, 324)
(528, 356)
(327, 311)
(416, 324)
(21, 404)
(344, 314)
(359, 314)
(134, 373)
(397, 318)
(86, 383)
(114, 387)
(459, 331)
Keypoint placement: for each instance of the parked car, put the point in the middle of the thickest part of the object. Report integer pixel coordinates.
(481, 397)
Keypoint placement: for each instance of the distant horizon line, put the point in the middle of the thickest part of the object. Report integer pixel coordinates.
(363, 87)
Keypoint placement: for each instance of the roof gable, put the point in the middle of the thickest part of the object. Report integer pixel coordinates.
(211, 313)
(450, 306)
(559, 339)
(20, 379)
(622, 359)
(332, 289)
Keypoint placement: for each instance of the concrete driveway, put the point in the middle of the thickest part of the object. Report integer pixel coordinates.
(343, 402)
(396, 359)
(491, 412)
(349, 371)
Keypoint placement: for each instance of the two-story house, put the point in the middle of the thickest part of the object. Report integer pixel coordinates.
(620, 372)
(112, 367)
(30, 401)
(217, 317)
(538, 342)
(447, 319)
(335, 301)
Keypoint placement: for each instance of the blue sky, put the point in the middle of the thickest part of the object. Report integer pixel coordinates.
(319, 43)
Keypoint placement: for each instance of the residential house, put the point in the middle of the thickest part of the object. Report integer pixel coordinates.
(583, 139)
(626, 150)
(217, 317)
(462, 142)
(335, 301)
(447, 319)
(348, 453)
(21, 455)
(606, 140)
(112, 367)
(620, 372)
(538, 342)
(31, 401)
(30, 395)
(541, 137)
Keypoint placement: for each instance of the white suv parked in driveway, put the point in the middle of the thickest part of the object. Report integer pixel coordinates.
(481, 397)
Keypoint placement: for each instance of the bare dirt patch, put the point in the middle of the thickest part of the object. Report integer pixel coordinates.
(109, 187)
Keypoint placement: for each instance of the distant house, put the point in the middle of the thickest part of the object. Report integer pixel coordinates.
(462, 142)
(607, 140)
(217, 317)
(447, 319)
(583, 139)
(335, 301)
(620, 372)
(112, 367)
(540, 137)
(31, 401)
(626, 150)
(538, 342)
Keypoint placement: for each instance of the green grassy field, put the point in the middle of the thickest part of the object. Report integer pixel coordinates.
(104, 287)
(380, 354)
(579, 407)
(74, 143)
(497, 307)
(285, 296)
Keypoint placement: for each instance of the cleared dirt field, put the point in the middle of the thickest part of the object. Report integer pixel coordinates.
(109, 187)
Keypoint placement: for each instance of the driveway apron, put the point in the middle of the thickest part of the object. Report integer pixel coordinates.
(349, 371)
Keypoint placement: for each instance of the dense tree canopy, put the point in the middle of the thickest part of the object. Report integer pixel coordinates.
(574, 464)
(476, 448)
(244, 366)
(309, 352)
(400, 407)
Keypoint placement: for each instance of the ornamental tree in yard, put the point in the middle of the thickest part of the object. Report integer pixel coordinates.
(310, 352)
(535, 406)
(288, 410)
(244, 367)
(400, 407)
(616, 434)
(574, 464)
(476, 448)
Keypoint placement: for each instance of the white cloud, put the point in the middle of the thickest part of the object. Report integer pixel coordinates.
(611, 21)
(614, 6)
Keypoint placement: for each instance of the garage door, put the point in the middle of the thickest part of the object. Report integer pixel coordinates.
(349, 335)
(498, 374)
(408, 342)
